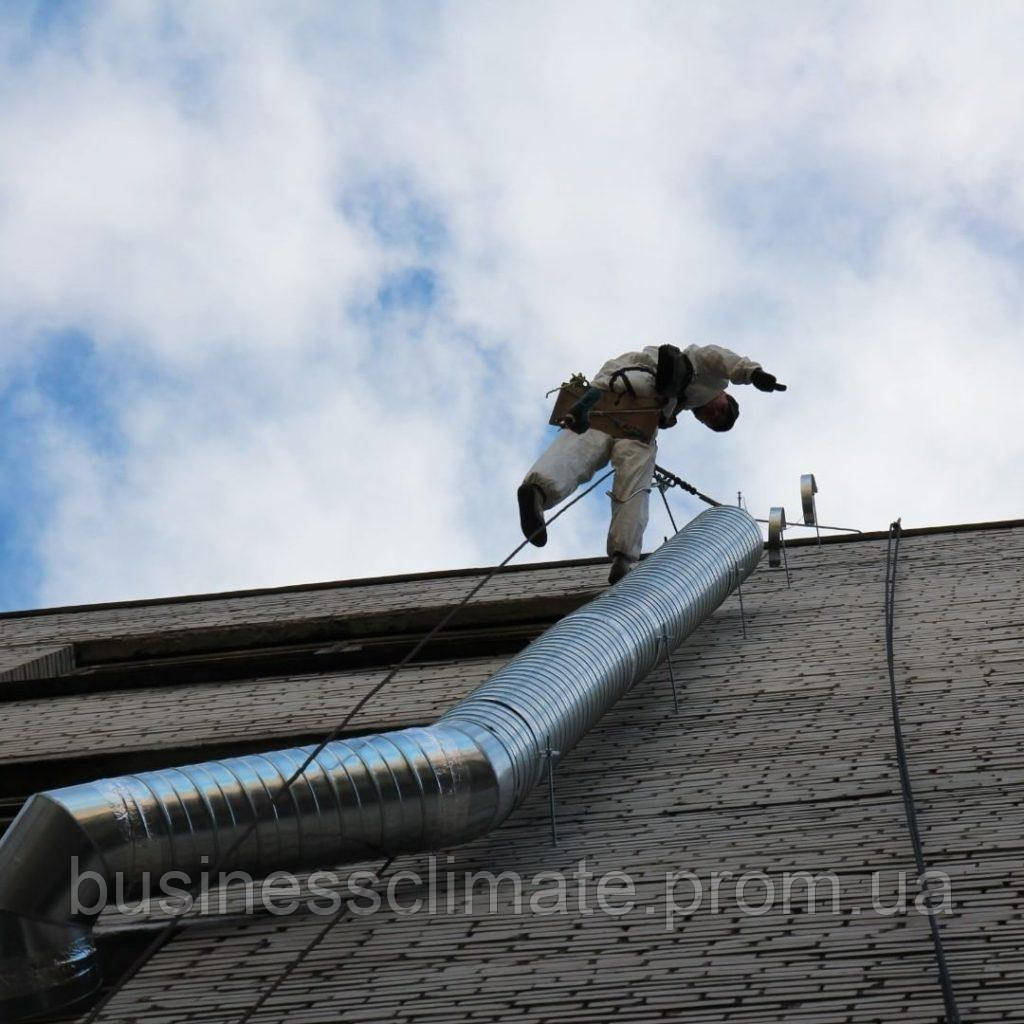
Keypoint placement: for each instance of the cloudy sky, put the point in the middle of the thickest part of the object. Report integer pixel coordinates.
(283, 285)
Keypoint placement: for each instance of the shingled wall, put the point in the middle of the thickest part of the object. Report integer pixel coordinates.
(781, 759)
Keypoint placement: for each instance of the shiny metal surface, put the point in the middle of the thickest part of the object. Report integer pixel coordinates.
(776, 527)
(808, 489)
(404, 791)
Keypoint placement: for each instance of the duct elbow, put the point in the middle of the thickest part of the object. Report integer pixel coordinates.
(44, 966)
(48, 959)
(69, 850)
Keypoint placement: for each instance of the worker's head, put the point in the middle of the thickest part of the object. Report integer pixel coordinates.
(720, 413)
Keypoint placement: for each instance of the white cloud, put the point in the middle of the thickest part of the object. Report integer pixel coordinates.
(835, 189)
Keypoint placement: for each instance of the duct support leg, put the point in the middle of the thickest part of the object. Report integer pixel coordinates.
(549, 755)
(671, 672)
(739, 590)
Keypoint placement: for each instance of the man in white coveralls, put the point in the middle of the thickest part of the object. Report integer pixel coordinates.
(695, 378)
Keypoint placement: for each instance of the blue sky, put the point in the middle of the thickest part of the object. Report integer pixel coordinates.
(282, 288)
(61, 378)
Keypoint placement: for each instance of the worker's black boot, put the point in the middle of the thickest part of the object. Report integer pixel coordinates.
(531, 514)
(620, 566)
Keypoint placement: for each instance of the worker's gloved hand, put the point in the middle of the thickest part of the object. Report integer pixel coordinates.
(578, 417)
(765, 381)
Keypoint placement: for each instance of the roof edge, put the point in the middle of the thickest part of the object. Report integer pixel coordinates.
(369, 581)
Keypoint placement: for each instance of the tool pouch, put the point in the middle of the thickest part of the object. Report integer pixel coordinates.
(619, 415)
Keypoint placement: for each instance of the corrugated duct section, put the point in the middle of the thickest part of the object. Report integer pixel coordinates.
(404, 791)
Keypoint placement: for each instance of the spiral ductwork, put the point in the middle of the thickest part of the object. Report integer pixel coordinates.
(410, 790)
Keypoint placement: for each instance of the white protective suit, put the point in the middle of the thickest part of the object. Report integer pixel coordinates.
(572, 459)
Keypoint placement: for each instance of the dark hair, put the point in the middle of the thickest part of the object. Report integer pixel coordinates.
(722, 424)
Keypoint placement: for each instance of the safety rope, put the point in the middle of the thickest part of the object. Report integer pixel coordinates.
(663, 478)
(168, 931)
(945, 980)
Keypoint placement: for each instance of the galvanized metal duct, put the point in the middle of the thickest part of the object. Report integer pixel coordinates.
(404, 791)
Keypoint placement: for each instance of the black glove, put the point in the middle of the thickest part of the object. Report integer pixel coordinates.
(765, 381)
(578, 417)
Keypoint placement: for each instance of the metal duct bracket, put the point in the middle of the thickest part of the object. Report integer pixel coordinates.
(411, 790)
(776, 540)
(808, 489)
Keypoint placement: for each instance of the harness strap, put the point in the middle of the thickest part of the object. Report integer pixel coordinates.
(628, 384)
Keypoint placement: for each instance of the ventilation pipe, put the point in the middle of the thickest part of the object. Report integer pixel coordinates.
(398, 792)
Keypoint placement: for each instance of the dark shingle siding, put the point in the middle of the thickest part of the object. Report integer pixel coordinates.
(35, 661)
(781, 759)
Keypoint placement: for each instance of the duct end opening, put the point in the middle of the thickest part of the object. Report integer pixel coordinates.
(44, 966)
